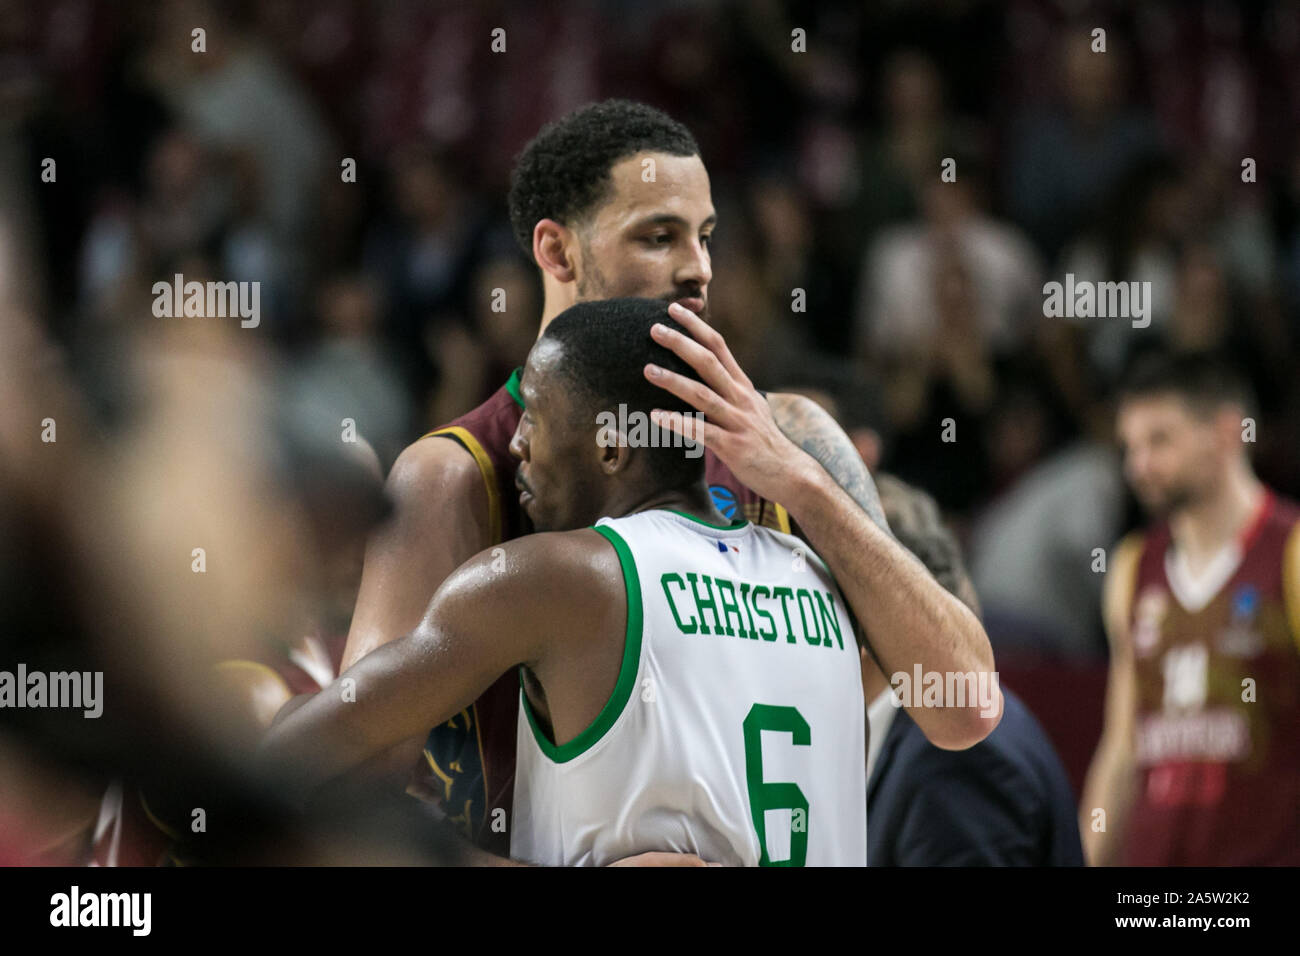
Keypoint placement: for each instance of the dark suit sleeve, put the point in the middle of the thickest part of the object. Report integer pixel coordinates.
(968, 810)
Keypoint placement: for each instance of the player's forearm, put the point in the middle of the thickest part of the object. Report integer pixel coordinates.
(907, 616)
(400, 576)
(439, 522)
(373, 706)
(1105, 806)
(813, 429)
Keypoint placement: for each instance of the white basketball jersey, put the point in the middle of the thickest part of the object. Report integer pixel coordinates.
(736, 730)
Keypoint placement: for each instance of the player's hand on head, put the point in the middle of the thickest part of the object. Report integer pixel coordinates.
(738, 426)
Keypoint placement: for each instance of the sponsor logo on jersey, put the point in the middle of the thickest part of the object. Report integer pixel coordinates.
(724, 499)
(1240, 638)
(1149, 614)
(1220, 734)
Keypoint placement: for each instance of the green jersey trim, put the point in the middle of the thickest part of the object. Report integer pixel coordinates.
(609, 714)
(735, 524)
(512, 386)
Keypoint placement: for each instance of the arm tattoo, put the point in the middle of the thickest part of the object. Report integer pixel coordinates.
(810, 427)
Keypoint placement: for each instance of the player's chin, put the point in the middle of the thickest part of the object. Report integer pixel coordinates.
(536, 517)
(1158, 504)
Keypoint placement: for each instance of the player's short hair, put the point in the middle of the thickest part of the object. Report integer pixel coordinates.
(1205, 381)
(563, 173)
(606, 346)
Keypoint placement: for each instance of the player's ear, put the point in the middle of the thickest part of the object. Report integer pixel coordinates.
(611, 445)
(553, 249)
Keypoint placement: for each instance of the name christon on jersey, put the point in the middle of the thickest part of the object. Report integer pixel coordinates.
(701, 604)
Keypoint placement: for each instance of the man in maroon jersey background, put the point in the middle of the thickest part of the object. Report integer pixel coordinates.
(1199, 762)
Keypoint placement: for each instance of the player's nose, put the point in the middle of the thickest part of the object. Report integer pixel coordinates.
(518, 447)
(697, 270)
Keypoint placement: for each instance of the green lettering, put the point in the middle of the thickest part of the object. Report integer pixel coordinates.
(728, 606)
(784, 593)
(800, 596)
(744, 606)
(700, 605)
(765, 635)
(672, 576)
(829, 618)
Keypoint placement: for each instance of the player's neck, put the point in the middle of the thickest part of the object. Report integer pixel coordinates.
(1206, 526)
(694, 501)
(556, 297)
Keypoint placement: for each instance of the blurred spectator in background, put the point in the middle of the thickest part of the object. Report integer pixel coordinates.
(350, 372)
(1065, 158)
(423, 254)
(943, 300)
(1032, 554)
(1005, 801)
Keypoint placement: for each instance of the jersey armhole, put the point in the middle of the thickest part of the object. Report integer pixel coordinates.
(614, 707)
(1117, 608)
(466, 440)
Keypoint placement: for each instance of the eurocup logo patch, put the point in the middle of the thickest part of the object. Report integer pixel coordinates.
(724, 499)
(1244, 603)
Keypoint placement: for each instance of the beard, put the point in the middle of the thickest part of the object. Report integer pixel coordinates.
(1167, 502)
(593, 285)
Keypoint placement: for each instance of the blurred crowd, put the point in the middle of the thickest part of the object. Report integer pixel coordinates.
(842, 263)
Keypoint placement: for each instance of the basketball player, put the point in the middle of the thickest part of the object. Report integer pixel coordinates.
(653, 649)
(614, 200)
(1199, 760)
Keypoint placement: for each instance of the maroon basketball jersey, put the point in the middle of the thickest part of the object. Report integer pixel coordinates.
(471, 758)
(128, 832)
(1217, 741)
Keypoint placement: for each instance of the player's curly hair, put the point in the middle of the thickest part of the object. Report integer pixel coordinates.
(563, 173)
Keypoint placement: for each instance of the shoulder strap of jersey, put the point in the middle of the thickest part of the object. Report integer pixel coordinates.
(1291, 581)
(1124, 566)
(466, 440)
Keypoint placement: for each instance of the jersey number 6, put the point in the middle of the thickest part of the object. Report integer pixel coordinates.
(765, 796)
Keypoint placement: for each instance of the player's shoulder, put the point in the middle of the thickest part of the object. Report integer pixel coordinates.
(432, 465)
(530, 577)
(1285, 514)
(548, 562)
(1128, 549)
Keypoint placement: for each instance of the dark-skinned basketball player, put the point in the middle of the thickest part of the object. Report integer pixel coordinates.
(614, 200)
(654, 641)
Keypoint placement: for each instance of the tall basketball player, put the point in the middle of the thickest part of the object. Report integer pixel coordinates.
(655, 642)
(1199, 761)
(614, 200)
